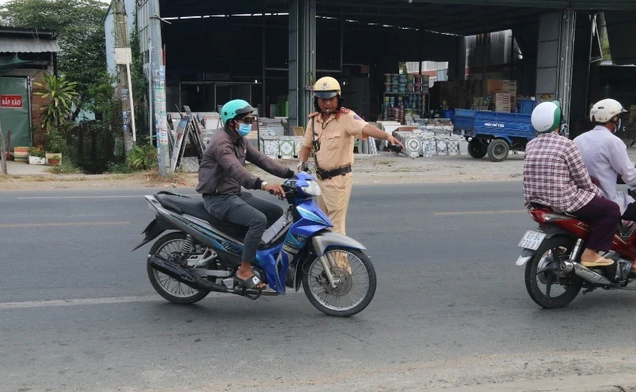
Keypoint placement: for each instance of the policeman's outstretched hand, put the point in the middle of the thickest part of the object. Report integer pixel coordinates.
(274, 189)
(394, 141)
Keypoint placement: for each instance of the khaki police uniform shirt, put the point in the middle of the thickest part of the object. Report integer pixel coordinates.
(337, 136)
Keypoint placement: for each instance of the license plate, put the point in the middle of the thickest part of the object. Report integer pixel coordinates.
(531, 240)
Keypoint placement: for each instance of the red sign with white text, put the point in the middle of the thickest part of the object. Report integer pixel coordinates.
(11, 101)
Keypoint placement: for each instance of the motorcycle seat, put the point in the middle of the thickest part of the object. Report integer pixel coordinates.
(195, 207)
(625, 228)
(536, 205)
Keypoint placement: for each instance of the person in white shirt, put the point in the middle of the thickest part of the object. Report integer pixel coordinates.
(605, 155)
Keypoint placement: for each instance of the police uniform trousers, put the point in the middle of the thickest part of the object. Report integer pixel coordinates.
(334, 200)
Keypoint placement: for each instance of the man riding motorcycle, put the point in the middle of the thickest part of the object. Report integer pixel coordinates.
(222, 175)
(605, 155)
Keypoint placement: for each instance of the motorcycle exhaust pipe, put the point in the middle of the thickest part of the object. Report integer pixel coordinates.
(589, 275)
(621, 268)
(183, 275)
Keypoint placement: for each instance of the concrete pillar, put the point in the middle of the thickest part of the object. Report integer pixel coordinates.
(581, 71)
(556, 57)
(302, 59)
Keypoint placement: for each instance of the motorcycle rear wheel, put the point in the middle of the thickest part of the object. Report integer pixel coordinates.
(167, 287)
(547, 258)
(332, 301)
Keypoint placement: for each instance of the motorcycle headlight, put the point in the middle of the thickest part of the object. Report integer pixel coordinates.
(312, 188)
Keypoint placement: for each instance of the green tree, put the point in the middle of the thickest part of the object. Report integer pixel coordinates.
(80, 28)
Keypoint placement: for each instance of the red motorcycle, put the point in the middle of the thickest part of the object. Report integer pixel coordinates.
(552, 255)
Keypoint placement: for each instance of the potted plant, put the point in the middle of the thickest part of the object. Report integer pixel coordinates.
(37, 156)
(54, 146)
(54, 159)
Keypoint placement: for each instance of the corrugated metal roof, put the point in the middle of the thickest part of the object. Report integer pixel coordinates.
(27, 45)
(558, 4)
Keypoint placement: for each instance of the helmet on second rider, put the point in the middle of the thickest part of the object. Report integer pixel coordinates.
(605, 110)
(546, 117)
(234, 108)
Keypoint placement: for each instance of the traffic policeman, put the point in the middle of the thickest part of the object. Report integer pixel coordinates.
(331, 134)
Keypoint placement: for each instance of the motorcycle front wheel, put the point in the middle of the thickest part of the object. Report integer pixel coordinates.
(171, 289)
(544, 276)
(354, 278)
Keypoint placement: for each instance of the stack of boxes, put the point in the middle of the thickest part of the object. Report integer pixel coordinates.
(504, 92)
(503, 103)
(479, 94)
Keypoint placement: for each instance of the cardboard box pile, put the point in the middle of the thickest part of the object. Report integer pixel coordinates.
(505, 93)
(467, 94)
(503, 102)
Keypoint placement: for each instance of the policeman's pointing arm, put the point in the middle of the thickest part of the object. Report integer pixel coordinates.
(370, 130)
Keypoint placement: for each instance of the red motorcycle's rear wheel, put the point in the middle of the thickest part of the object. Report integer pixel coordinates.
(543, 271)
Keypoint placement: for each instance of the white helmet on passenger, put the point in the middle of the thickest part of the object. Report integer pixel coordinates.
(546, 117)
(605, 110)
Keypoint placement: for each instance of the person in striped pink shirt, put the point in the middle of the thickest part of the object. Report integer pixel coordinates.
(554, 175)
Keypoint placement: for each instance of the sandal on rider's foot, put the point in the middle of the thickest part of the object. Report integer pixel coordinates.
(251, 283)
(600, 262)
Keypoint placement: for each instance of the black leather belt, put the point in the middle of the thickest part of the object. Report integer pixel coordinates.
(327, 174)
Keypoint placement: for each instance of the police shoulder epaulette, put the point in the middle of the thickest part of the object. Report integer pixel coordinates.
(314, 114)
(344, 110)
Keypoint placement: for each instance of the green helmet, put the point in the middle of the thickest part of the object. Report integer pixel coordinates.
(235, 108)
(546, 117)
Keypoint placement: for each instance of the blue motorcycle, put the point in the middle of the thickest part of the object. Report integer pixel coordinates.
(201, 254)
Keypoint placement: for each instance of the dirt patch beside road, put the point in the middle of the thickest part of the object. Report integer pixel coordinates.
(572, 371)
(386, 168)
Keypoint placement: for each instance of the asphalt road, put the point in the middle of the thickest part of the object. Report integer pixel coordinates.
(77, 312)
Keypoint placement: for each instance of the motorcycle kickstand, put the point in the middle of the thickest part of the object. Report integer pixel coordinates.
(588, 290)
(243, 293)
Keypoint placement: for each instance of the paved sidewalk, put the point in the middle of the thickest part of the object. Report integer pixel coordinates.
(24, 169)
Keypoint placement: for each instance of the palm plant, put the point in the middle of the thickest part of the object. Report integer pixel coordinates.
(61, 94)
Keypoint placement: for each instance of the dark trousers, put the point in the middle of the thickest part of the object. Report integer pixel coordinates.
(603, 216)
(245, 210)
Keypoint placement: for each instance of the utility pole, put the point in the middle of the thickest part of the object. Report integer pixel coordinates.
(123, 93)
(158, 71)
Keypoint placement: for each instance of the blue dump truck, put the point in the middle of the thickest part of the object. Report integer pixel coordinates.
(493, 133)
